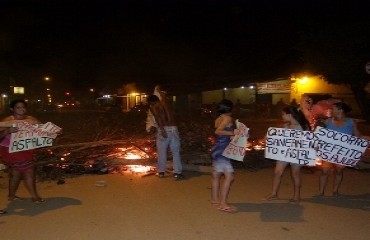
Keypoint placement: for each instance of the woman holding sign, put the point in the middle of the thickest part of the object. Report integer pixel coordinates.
(20, 163)
(225, 130)
(294, 119)
(341, 123)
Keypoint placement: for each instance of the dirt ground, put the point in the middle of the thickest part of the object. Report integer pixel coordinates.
(135, 207)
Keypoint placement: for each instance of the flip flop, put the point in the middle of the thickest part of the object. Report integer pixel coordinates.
(270, 198)
(294, 201)
(16, 198)
(228, 209)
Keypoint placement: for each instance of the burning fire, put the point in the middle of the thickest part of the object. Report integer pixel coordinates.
(131, 153)
(140, 169)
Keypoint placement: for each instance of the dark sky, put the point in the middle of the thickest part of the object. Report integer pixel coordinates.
(182, 44)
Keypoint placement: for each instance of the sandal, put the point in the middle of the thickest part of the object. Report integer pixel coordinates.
(228, 209)
(337, 194)
(294, 200)
(3, 212)
(320, 195)
(15, 198)
(38, 201)
(270, 198)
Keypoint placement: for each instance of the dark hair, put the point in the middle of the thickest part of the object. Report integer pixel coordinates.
(14, 102)
(225, 106)
(342, 106)
(297, 115)
(153, 99)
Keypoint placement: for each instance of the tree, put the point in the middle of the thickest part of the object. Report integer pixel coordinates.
(340, 52)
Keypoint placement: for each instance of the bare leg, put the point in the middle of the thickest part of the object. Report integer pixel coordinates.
(215, 198)
(295, 169)
(338, 178)
(14, 181)
(278, 172)
(225, 189)
(29, 178)
(323, 180)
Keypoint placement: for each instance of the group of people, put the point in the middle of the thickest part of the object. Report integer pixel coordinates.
(160, 121)
(293, 118)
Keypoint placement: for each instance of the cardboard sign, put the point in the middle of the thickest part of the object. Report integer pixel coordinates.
(236, 148)
(291, 145)
(31, 136)
(339, 148)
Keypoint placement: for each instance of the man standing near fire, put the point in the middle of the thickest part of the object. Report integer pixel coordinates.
(160, 120)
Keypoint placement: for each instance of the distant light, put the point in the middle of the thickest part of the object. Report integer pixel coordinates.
(225, 89)
(18, 90)
(242, 87)
(91, 89)
(303, 80)
(47, 79)
(4, 95)
(251, 87)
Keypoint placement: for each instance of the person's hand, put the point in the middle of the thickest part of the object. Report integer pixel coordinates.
(164, 133)
(152, 130)
(13, 129)
(236, 131)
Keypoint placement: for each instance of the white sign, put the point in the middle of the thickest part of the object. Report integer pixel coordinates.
(31, 136)
(339, 148)
(236, 148)
(290, 145)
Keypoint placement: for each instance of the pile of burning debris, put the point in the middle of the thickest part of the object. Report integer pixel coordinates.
(136, 157)
(96, 158)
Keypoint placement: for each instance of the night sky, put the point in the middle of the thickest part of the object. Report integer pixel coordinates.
(184, 45)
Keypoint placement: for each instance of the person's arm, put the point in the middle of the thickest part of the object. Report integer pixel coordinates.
(220, 129)
(3, 132)
(158, 110)
(355, 130)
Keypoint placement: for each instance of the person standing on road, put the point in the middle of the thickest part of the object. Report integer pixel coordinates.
(225, 130)
(160, 120)
(20, 163)
(341, 123)
(2, 134)
(294, 119)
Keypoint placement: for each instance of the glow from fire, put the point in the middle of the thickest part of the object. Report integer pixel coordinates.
(131, 153)
(139, 168)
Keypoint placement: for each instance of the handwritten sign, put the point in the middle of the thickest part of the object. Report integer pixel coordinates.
(290, 145)
(339, 148)
(236, 148)
(31, 136)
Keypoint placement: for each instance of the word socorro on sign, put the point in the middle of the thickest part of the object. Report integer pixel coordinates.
(290, 145)
(339, 148)
(31, 136)
(236, 148)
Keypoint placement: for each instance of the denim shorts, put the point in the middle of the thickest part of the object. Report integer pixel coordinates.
(222, 166)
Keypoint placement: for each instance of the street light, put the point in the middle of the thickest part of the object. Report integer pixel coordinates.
(48, 90)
